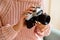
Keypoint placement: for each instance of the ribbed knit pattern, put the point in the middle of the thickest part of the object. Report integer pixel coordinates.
(10, 11)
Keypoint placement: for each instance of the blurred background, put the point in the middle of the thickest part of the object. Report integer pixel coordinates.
(52, 7)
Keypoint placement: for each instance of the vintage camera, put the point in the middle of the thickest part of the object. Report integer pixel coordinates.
(37, 15)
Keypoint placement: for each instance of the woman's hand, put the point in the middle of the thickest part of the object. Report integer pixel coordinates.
(42, 30)
(21, 22)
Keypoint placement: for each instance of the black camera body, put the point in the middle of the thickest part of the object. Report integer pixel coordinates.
(39, 16)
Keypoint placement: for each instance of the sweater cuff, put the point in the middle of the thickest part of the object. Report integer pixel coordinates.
(8, 32)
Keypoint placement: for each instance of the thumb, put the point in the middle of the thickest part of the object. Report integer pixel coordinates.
(22, 17)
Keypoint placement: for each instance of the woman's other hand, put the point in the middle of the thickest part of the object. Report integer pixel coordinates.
(21, 22)
(42, 30)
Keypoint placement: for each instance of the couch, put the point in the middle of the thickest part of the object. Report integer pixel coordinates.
(55, 35)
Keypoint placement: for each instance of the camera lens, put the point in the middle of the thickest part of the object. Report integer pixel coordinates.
(44, 19)
(47, 19)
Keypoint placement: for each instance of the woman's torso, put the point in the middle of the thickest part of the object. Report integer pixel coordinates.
(10, 14)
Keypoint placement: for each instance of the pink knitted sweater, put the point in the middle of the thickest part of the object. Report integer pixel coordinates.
(10, 11)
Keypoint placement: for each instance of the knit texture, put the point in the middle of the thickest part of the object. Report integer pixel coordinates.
(10, 11)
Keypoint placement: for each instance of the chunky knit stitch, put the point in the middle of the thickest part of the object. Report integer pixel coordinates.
(10, 11)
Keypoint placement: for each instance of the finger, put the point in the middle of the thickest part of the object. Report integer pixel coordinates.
(23, 17)
(46, 28)
(47, 31)
(28, 12)
(38, 32)
(32, 8)
(22, 20)
(40, 26)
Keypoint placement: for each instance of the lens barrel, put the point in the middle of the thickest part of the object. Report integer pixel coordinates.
(43, 18)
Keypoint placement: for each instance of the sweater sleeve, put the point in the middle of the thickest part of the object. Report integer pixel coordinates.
(7, 33)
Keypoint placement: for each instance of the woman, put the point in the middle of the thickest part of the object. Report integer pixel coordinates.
(12, 16)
